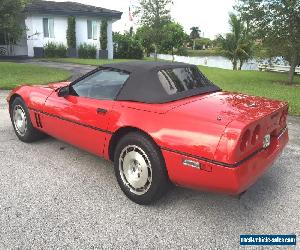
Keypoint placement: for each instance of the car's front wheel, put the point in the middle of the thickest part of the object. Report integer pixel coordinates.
(21, 122)
(140, 169)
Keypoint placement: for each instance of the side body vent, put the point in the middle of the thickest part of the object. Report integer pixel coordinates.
(38, 120)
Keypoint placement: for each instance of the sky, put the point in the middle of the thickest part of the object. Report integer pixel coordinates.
(211, 16)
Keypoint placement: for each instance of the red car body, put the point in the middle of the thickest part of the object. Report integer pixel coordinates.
(221, 132)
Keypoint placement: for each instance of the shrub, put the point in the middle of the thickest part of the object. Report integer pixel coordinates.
(61, 50)
(49, 49)
(127, 46)
(71, 32)
(53, 50)
(182, 51)
(87, 51)
(103, 34)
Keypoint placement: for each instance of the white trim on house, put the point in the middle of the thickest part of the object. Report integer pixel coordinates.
(110, 46)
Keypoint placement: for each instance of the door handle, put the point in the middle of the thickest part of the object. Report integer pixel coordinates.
(101, 111)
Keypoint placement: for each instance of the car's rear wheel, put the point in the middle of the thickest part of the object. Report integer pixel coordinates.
(140, 169)
(21, 122)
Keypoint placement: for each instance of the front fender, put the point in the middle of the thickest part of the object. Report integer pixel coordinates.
(33, 96)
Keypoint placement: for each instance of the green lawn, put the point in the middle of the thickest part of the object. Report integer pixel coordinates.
(15, 74)
(268, 84)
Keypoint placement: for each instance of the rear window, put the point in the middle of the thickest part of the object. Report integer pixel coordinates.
(178, 80)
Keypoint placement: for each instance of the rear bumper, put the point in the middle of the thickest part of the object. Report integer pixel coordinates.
(217, 178)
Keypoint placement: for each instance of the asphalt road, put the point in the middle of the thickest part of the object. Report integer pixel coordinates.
(77, 70)
(53, 195)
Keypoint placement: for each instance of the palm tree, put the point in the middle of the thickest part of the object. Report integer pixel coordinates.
(237, 45)
(195, 33)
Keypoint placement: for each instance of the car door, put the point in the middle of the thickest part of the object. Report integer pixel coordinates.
(80, 113)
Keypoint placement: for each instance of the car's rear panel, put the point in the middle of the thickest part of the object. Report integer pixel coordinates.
(245, 136)
(218, 178)
(240, 157)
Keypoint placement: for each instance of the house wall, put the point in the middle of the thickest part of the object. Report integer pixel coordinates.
(36, 37)
(81, 32)
(35, 32)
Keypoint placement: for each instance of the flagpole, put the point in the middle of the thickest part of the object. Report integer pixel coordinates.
(130, 18)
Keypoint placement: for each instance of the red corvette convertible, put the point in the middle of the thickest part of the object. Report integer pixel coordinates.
(160, 123)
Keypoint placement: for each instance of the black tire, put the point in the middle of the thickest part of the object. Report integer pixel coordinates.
(30, 134)
(159, 184)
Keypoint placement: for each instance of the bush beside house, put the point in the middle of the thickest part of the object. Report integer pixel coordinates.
(87, 51)
(55, 50)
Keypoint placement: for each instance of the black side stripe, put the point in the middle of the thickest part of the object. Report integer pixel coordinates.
(223, 164)
(68, 120)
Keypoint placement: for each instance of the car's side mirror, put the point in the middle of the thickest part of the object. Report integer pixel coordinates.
(64, 91)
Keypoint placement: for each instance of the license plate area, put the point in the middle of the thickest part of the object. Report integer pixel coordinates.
(266, 141)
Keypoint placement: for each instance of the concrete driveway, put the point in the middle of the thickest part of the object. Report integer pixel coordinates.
(53, 195)
(77, 70)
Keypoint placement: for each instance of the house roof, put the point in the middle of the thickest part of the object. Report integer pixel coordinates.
(70, 8)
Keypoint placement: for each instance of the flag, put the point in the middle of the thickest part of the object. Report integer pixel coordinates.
(130, 16)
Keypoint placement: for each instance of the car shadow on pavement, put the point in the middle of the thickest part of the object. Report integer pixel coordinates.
(258, 197)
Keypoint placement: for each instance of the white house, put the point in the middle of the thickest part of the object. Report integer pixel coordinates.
(47, 21)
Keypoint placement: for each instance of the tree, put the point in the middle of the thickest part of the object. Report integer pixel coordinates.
(11, 16)
(195, 33)
(154, 14)
(144, 35)
(202, 42)
(103, 35)
(174, 37)
(71, 32)
(127, 46)
(277, 24)
(237, 45)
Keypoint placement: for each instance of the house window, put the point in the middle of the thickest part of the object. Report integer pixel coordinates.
(92, 29)
(48, 26)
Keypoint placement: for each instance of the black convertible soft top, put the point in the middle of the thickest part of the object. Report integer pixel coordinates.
(144, 85)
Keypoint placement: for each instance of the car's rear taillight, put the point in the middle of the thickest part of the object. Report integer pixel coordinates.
(255, 135)
(283, 117)
(245, 140)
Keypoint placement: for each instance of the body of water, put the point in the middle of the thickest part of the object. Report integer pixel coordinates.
(210, 61)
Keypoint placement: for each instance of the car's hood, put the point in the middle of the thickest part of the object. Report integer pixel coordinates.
(53, 86)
